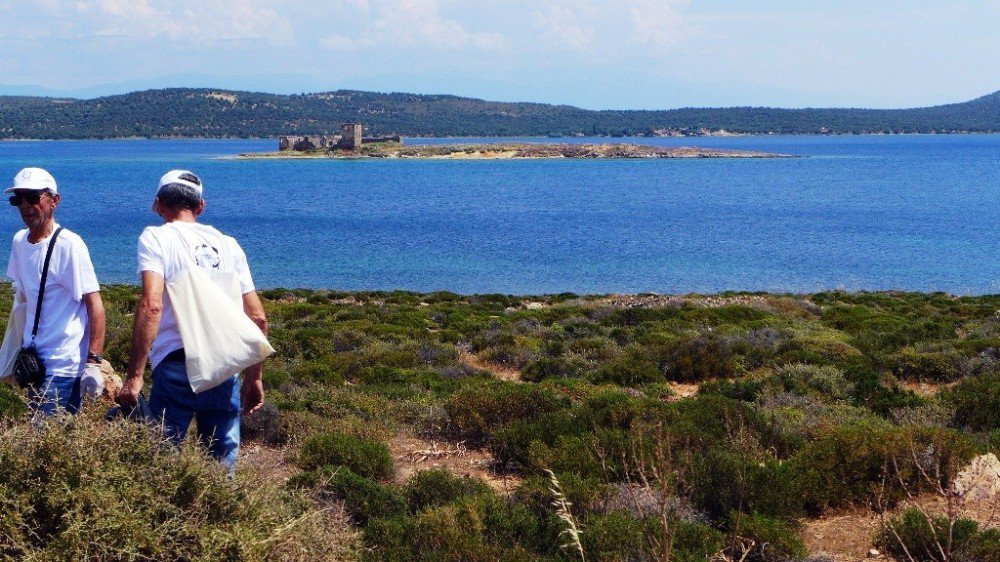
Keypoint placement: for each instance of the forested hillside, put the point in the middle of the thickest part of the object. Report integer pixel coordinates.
(216, 113)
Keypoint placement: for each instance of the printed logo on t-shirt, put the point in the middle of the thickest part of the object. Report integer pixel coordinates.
(206, 256)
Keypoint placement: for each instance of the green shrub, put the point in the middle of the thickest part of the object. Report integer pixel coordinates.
(914, 535)
(877, 465)
(632, 368)
(614, 409)
(825, 382)
(976, 402)
(510, 443)
(695, 359)
(724, 482)
(937, 366)
(711, 419)
(437, 487)
(586, 494)
(12, 403)
(695, 542)
(317, 371)
(579, 454)
(367, 458)
(747, 389)
(476, 410)
(451, 532)
(88, 490)
(365, 499)
(561, 367)
(595, 348)
(615, 537)
(773, 540)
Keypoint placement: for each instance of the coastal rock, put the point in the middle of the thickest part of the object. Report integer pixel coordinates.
(979, 480)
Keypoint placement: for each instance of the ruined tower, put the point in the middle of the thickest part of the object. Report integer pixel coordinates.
(351, 136)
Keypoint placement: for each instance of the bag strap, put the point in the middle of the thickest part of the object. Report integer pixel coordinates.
(41, 285)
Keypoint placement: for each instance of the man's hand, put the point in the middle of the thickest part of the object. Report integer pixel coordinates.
(252, 395)
(129, 394)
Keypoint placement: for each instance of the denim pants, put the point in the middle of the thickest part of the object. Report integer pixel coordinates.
(216, 411)
(56, 394)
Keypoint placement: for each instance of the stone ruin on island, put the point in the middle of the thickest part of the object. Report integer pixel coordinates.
(350, 138)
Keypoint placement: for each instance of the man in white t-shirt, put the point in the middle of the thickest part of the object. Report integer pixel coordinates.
(70, 337)
(164, 252)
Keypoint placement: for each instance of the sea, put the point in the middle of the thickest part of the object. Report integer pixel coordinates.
(912, 213)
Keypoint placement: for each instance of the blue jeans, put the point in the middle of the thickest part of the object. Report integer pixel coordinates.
(216, 411)
(56, 394)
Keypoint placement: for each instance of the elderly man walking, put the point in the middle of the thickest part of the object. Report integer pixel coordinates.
(166, 252)
(65, 326)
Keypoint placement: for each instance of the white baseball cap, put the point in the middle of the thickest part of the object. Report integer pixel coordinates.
(35, 179)
(182, 177)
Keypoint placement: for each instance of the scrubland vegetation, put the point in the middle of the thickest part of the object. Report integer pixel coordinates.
(803, 405)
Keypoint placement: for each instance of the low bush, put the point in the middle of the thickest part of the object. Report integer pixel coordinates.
(364, 457)
(936, 366)
(437, 487)
(877, 465)
(976, 402)
(561, 367)
(12, 402)
(476, 531)
(365, 499)
(823, 382)
(922, 538)
(724, 482)
(511, 442)
(695, 359)
(616, 537)
(87, 490)
(317, 372)
(475, 410)
(632, 368)
(769, 540)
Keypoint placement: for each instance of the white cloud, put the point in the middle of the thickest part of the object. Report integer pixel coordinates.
(563, 25)
(657, 23)
(409, 23)
(339, 43)
(189, 20)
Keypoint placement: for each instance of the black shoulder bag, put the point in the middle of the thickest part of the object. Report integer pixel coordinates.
(29, 369)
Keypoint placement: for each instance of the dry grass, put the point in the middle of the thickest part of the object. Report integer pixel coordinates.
(83, 489)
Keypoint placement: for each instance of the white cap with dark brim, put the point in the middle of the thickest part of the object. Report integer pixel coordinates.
(181, 177)
(34, 179)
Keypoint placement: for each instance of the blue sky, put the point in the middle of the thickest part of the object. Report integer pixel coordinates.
(598, 54)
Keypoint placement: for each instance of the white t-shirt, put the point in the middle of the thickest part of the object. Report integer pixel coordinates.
(63, 331)
(172, 248)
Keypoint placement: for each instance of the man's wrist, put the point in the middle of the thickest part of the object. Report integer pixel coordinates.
(94, 357)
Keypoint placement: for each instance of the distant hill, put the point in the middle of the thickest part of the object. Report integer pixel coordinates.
(217, 113)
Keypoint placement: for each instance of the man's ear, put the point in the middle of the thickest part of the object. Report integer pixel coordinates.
(56, 198)
(200, 209)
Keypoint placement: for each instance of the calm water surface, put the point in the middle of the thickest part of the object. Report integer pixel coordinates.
(907, 212)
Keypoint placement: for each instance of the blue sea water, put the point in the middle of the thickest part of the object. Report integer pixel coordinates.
(854, 212)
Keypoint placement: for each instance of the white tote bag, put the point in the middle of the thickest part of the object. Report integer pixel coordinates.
(14, 336)
(219, 338)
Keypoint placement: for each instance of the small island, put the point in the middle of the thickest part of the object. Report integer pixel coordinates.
(511, 151)
(350, 144)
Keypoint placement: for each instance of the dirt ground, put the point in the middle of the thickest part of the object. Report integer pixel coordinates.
(849, 535)
(501, 372)
(413, 454)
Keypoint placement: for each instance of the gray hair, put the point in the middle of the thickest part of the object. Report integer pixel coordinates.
(178, 197)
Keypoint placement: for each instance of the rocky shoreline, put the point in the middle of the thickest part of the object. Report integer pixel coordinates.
(514, 151)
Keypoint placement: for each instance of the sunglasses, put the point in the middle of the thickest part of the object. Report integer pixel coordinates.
(32, 198)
